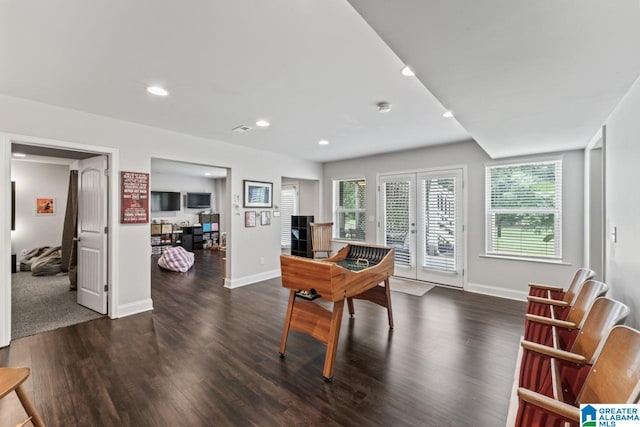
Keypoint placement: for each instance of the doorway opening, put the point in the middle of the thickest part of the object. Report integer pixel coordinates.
(422, 218)
(51, 275)
(190, 208)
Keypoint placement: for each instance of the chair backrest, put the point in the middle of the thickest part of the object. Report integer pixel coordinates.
(603, 315)
(615, 375)
(581, 275)
(321, 233)
(590, 290)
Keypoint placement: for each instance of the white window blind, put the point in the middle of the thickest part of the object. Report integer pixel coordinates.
(524, 208)
(439, 211)
(349, 209)
(397, 202)
(288, 208)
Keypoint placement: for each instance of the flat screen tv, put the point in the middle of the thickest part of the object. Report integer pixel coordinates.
(198, 200)
(165, 201)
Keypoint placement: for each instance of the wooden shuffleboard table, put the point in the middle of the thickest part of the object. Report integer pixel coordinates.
(356, 271)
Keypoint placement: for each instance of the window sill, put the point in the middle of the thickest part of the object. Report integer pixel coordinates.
(341, 240)
(525, 259)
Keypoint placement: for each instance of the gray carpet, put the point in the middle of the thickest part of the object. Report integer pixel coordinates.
(40, 304)
(410, 287)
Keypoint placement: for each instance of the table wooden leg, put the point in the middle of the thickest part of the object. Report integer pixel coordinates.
(387, 291)
(287, 323)
(352, 312)
(29, 408)
(334, 334)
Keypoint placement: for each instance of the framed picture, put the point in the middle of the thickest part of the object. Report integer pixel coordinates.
(265, 218)
(250, 219)
(45, 205)
(258, 194)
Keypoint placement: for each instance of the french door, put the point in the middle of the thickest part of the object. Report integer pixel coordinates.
(421, 217)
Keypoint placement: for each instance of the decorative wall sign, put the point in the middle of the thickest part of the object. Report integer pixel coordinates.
(45, 206)
(250, 219)
(134, 197)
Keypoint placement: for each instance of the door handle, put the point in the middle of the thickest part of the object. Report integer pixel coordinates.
(76, 239)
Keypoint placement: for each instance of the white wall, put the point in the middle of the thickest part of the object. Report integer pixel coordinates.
(622, 201)
(508, 278)
(134, 145)
(183, 184)
(38, 180)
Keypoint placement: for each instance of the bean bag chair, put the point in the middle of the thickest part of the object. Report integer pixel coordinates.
(29, 257)
(43, 261)
(47, 264)
(176, 259)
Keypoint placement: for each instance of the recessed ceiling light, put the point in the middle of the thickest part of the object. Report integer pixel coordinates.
(447, 114)
(207, 173)
(407, 71)
(19, 155)
(262, 123)
(157, 90)
(323, 142)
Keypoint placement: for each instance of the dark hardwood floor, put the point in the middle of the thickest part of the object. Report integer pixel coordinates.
(208, 356)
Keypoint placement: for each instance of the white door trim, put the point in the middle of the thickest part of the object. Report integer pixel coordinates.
(6, 139)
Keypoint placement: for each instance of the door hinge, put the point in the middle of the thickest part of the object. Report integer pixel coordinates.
(106, 229)
(106, 172)
(106, 288)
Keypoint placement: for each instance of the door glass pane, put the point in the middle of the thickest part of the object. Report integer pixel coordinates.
(397, 220)
(439, 213)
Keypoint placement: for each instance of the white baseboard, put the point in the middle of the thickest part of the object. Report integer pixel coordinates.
(133, 308)
(249, 280)
(496, 292)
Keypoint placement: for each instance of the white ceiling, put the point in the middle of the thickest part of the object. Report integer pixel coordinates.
(521, 76)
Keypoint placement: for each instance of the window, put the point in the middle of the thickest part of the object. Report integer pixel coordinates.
(524, 209)
(349, 209)
(288, 207)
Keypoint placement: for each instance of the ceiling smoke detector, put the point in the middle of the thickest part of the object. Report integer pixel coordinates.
(241, 129)
(384, 107)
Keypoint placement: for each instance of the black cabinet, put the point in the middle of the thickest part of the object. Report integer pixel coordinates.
(301, 236)
(192, 237)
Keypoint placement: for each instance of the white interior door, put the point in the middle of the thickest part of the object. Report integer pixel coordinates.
(421, 217)
(92, 236)
(397, 196)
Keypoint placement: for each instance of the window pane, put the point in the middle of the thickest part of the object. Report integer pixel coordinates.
(523, 186)
(349, 212)
(524, 234)
(351, 194)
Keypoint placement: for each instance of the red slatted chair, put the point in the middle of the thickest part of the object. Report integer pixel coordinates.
(539, 329)
(614, 378)
(560, 374)
(540, 295)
